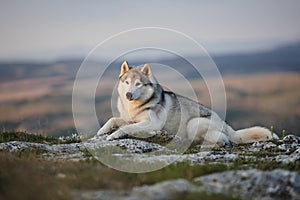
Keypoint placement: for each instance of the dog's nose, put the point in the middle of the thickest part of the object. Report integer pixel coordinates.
(129, 96)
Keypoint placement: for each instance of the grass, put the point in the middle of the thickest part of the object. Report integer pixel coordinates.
(29, 178)
(24, 175)
(258, 160)
(57, 180)
(8, 136)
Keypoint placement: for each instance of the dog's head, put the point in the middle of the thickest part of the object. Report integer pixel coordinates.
(135, 83)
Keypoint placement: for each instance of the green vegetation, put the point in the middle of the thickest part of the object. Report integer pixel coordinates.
(56, 180)
(195, 148)
(62, 179)
(68, 176)
(65, 177)
(8, 136)
(29, 178)
(257, 159)
(26, 137)
(283, 133)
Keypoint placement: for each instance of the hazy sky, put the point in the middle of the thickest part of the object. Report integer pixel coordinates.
(57, 28)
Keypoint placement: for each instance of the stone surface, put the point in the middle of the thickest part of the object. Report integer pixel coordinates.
(159, 191)
(245, 184)
(275, 184)
(56, 152)
(130, 145)
(283, 151)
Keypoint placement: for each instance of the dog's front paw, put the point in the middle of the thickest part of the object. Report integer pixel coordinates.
(115, 135)
(110, 137)
(102, 131)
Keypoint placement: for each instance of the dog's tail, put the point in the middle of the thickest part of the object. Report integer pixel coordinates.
(253, 134)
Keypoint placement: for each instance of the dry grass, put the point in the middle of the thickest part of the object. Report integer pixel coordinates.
(29, 179)
(261, 99)
(29, 89)
(265, 92)
(23, 176)
(44, 104)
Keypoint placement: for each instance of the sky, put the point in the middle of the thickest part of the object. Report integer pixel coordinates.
(45, 30)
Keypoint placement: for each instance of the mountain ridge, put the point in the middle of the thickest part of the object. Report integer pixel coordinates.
(282, 59)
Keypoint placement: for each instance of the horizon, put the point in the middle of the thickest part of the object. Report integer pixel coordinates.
(158, 57)
(50, 30)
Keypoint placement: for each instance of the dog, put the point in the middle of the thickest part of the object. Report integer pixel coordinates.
(145, 108)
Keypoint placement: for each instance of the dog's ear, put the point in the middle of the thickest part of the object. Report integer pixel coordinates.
(124, 68)
(146, 70)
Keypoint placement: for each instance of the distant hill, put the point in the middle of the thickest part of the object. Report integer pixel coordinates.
(282, 59)
(16, 71)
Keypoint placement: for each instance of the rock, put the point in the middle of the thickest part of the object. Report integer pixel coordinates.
(130, 145)
(277, 184)
(261, 146)
(291, 139)
(157, 191)
(99, 195)
(56, 151)
(292, 158)
(283, 151)
(162, 190)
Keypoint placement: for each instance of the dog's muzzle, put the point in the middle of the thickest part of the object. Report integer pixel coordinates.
(129, 96)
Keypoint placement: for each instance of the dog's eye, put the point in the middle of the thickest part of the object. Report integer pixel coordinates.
(138, 84)
(127, 82)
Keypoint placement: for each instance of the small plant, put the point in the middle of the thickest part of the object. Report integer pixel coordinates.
(9, 136)
(283, 133)
(86, 152)
(272, 132)
(272, 129)
(74, 138)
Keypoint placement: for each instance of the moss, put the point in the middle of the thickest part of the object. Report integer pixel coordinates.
(195, 148)
(181, 170)
(86, 153)
(90, 174)
(8, 136)
(64, 177)
(26, 179)
(243, 163)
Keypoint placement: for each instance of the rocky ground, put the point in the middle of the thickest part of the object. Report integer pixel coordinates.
(262, 170)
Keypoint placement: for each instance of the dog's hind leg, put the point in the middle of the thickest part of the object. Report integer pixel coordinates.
(203, 129)
(112, 124)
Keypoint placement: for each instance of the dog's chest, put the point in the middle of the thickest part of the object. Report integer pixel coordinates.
(131, 112)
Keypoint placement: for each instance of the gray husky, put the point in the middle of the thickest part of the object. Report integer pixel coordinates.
(145, 108)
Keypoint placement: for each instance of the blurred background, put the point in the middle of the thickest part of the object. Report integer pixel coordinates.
(255, 44)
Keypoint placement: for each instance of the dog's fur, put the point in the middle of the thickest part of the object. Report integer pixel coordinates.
(145, 107)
